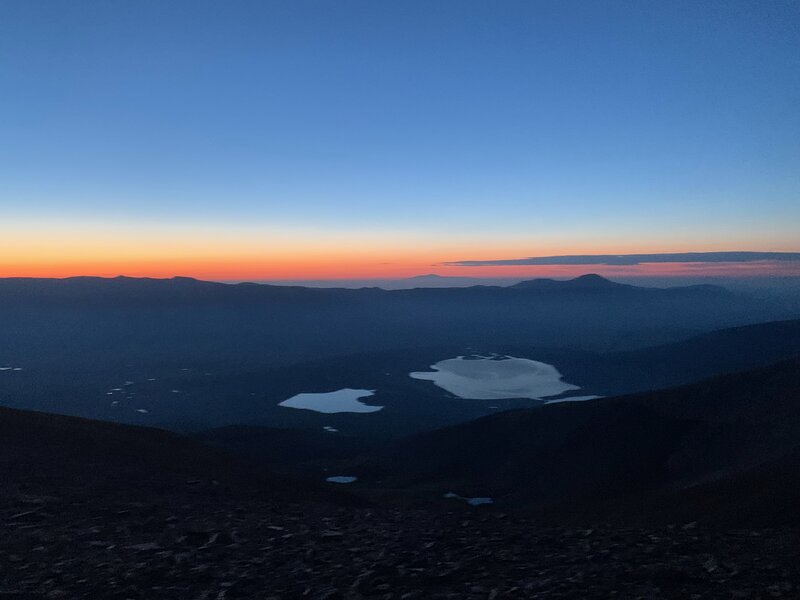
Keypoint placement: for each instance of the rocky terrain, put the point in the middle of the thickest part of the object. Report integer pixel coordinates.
(195, 545)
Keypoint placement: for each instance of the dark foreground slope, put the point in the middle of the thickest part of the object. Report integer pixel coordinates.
(724, 450)
(93, 510)
(42, 453)
(307, 453)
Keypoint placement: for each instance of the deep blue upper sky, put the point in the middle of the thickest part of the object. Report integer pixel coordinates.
(673, 123)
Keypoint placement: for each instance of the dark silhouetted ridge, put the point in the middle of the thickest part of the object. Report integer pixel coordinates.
(590, 281)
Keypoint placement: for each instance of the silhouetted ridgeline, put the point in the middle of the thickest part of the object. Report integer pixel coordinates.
(181, 319)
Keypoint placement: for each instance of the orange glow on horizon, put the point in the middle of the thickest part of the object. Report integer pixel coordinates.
(164, 251)
(254, 270)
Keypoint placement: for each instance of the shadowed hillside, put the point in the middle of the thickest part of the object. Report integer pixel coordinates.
(44, 455)
(723, 450)
(717, 352)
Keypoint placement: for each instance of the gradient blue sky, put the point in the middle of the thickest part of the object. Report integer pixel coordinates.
(283, 135)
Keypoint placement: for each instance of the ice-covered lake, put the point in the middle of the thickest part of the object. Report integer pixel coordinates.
(340, 401)
(496, 377)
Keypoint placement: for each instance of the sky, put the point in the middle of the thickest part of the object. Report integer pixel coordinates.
(294, 139)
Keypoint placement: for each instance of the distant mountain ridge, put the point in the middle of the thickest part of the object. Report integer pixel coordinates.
(599, 313)
(590, 281)
(125, 283)
(75, 339)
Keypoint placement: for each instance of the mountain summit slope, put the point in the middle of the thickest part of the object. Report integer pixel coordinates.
(98, 510)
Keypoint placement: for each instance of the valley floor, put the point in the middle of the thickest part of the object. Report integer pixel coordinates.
(196, 546)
